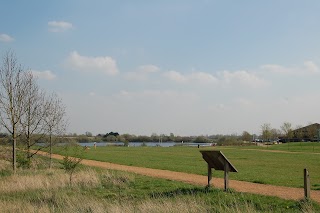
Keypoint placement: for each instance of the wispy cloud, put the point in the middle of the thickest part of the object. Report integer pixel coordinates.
(46, 74)
(175, 76)
(6, 38)
(308, 67)
(200, 77)
(148, 68)
(59, 26)
(311, 66)
(157, 96)
(275, 68)
(103, 64)
(224, 77)
(142, 72)
(242, 77)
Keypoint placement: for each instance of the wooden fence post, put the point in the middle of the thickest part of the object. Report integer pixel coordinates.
(306, 184)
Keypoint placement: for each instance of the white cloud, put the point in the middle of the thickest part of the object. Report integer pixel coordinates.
(148, 68)
(46, 74)
(175, 76)
(276, 68)
(59, 26)
(307, 67)
(201, 77)
(106, 65)
(311, 66)
(142, 72)
(161, 96)
(243, 77)
(225, 77)
(6, 38)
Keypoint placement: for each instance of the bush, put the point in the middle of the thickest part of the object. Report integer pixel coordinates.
(125, 143)
(5, 172)
(72, 159)
(22, 160)
(229, 141)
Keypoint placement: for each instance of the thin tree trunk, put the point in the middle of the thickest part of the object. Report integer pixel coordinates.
(70, 178)
(29, 152)
(50, 162)
(14, 160)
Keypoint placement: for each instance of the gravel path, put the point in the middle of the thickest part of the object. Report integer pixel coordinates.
(240, 186)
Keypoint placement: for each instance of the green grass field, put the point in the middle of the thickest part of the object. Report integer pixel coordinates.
(99, 190)
(255, 164)
(292, 147)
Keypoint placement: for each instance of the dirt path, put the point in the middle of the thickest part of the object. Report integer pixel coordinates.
(240, 186)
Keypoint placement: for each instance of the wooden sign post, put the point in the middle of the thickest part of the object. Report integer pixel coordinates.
(209, 175)
(226, 176)
(217, 161)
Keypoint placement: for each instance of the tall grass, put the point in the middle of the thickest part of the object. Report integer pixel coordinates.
(49, 180)
(52, 202)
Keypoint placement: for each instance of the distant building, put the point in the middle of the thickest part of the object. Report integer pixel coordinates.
(307, 133)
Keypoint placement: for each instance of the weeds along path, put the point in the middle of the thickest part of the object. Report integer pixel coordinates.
(240, 186)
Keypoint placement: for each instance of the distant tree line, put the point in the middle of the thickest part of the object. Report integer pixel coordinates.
(268, 134)
(116, 137)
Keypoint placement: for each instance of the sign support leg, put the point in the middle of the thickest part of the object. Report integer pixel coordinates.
(226, 176)
(209, 176)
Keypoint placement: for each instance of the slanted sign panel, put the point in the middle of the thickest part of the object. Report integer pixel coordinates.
(217, 160)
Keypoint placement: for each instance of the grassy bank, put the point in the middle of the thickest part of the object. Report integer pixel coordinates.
(255, 164)
(308, 147)
(96, 190)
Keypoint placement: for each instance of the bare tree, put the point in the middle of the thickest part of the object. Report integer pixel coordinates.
(246, 136)
(266, 131)
(24, 108)
(275, 133)
(32, 121)
(55, 122)
(287, 131)
(12, 98)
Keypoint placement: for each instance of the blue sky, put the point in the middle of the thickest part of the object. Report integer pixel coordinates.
(186, 67)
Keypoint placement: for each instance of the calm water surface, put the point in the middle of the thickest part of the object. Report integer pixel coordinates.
(152, 144)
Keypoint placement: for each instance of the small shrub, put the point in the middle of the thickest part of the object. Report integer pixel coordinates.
(22, 160)
(69, 164)
(5, 172)
(72, 159)
(126, 143)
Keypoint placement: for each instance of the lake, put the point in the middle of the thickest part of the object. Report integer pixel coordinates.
(152, 144)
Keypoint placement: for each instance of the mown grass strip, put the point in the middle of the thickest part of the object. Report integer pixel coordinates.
(254, 165)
